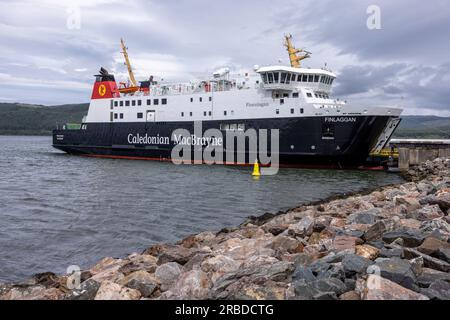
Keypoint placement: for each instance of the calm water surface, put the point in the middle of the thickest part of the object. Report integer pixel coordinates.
(57, 210)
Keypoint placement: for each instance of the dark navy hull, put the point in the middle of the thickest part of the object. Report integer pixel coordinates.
(303, 141)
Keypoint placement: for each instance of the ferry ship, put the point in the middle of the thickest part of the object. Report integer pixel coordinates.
(137, 121)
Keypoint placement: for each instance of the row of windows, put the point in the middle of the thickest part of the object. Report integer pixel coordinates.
(133, 103)
(277, 111)
(200, 99)
(232, 126)
(317, 95)
(287, 78)
(286, 95)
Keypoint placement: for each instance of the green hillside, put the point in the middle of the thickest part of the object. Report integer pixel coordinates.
(25, 119)
(424, 127)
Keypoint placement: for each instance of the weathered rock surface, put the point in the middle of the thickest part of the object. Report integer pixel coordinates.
(393, 243)
(378, 288)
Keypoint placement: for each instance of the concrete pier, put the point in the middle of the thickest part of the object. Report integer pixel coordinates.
(413, 152)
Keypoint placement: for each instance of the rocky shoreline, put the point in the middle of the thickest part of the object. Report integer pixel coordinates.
(392, 243)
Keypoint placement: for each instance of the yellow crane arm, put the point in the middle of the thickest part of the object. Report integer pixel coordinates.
(127, 62)
(294, 56)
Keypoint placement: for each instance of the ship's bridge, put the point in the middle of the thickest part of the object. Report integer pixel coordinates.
(289, 78)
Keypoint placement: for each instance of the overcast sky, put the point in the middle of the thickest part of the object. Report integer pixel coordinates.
(47, 57)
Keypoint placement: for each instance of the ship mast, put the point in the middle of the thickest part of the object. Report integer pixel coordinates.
(294, 56)
(127, 62)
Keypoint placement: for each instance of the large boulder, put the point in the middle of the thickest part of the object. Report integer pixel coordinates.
(398, 271)
(438, 290)
(167, 274)
(142, 281)
(194, 284)
(354, 264)
(432, 245)
(411, 238)
(379, 288)
(113, 291)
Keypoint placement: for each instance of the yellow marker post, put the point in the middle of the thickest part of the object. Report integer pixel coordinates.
(256, 172)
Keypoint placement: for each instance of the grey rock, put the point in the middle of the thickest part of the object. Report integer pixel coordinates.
(350, 284)
(329, 285)
(426, 213)
(325, 296)
(429, 276)
(377, 244)
(354, 264)
(88, 290)
(429, 261)
(443, 254)
(304, 273)
(411, 238)
(303, 290)
(398, 271)
(168, 274)
(365, 217)
(145, 288)
(438, 290)
(375, 231)
(390, 253)
(334, 271)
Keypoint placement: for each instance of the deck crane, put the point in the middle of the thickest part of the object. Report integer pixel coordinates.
(294, 56)
(134, 86)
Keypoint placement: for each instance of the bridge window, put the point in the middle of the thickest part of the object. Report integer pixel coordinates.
(163, 101)
(264, 77)
(288, 78)
(293, 77)
(305, 78)
(283, 78)
(310, 78)
(275, 77)
(270, 77)
(316, 78)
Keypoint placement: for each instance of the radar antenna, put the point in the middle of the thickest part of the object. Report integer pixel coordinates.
(294, 54)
